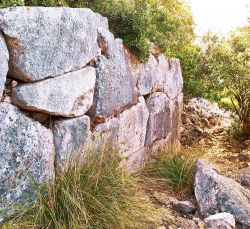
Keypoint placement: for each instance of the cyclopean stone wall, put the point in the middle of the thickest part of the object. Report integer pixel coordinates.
(67, 84)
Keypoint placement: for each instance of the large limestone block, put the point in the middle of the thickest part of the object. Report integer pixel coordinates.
(48, 42)
(127, 132)
(71, 137)
(160, 117)
(176, 108)
(151, 74)
(115, 86)
(26, 151)
(173, 84)
(215, 193)
(69, 95)
(4, 58)
(160, 74)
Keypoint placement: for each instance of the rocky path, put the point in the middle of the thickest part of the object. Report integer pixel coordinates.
(205, 129)
(205, 132)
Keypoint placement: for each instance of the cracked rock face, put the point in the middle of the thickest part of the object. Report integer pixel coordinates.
(160, 117)
(216, 193)
(115, 88)
(128, 130)
(152, 74)
(39, 48)
(4, 58)
(176, 109)
(173, 84)
(69, 95)
(70, 137)
(26, 152)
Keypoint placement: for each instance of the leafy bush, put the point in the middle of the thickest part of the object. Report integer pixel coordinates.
(168, 24)
(9, 3)
(96, 194)
(224, 66)
(236, 131)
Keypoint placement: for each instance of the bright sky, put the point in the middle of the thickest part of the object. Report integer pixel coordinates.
(219, 15)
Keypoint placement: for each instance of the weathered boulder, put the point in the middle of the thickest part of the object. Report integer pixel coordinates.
(127, 131)
(160, 117)
(70, 138)
(4, 58)
(26, 152)
(39, 48)
(69, 95)
(151, 74)
(115, 86)
(216, 193)
(173, 84)
(220, 221)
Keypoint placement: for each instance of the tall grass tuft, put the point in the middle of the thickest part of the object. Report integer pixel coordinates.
(173, 171)
(95, 194)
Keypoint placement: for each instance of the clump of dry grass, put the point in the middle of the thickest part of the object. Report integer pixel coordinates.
(96, 194)
(173, 171)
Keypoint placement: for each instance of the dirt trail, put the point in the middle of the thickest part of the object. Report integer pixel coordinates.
(205, 133)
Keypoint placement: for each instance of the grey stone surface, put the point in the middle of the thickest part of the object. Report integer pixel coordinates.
(4, 58)
(115, 86)
(134, 162)
(221, 221)
(173, 83)
(69, 95)
(127, 131)
(160, 117)
(183, 207)
(70, 137)
(151, 75)
(26, 152)
(216, 193)
(176, 112)
(47, 42)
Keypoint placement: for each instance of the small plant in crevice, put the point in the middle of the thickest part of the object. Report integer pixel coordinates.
(95, 194)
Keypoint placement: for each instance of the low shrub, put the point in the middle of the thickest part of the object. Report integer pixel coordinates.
(96, 194)
(236, 131)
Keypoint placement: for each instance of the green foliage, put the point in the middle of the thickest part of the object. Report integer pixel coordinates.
(9, 3)
(178, 169)
(236, 131)
(224, 68)
(168, 24)
(96, 194)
